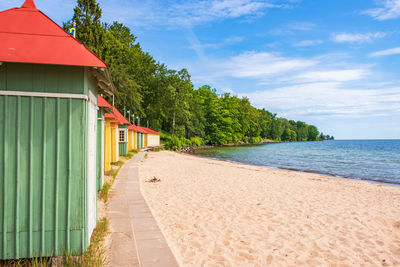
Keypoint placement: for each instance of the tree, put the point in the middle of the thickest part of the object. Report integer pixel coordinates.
(312, 133)
(87, 14)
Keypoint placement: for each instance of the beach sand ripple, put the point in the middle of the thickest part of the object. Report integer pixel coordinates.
(216, 213)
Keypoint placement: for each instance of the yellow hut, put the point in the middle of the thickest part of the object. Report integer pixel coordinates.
(132, 137)
(108, 124)
(151, 138)
(112, 137)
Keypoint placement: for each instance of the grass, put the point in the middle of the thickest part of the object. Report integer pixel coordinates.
(104, 192)
(95, 254)
(34, 262)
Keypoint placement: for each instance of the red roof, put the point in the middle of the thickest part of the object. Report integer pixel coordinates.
(150, 131)
(138, 129)
(109, 115)
(120, 118)
(132, 127)
(28, 36)
(101, 102)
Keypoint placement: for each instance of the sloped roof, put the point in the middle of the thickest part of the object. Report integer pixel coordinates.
(119, 117)
(133, 127)
(28, 36)
(110, 116)
(101, 102)
(150, 131)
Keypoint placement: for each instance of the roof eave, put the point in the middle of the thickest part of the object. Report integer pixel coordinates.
(104, 80)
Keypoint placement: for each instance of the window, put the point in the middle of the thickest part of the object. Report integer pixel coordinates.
(123, 135)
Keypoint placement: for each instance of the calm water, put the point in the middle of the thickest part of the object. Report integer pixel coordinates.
(376, 160)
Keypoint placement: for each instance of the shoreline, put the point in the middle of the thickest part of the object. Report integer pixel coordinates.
(380, 182)
(215, 212)
(191, 149)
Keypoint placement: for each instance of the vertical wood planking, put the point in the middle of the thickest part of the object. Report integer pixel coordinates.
(43, 230)
(17, 177)
(57, 130)
(4, 179)
(69, 174)
(85, 177)
(30, 248)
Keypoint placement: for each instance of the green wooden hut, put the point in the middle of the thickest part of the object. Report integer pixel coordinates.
(48, 126)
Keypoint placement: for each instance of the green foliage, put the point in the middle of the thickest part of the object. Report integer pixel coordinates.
(174, 143)
(256, 139)
(196, 141)
(322, 137)
(166, 98)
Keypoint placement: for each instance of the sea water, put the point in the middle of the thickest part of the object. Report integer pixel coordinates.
(375, 160)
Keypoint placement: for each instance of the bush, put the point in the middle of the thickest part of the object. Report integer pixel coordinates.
(173, 144)
(165, 138)
(185, 142)
(255, 139)
(196, 141)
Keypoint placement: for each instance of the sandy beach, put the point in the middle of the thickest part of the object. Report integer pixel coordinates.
(216, 213)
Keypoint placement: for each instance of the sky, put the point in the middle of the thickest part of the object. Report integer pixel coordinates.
(331, 63)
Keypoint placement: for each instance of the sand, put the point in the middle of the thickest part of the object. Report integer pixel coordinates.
(216, 213)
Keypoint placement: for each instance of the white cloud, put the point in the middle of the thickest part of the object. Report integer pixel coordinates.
(333, 75)
(301, 26)
(262, 64)
(226, 42)
(324, 86)
(390, 10)
(356, 37)
(186, 13)
(329, 99)
(308, 43)
(387, 52)
(292, 27)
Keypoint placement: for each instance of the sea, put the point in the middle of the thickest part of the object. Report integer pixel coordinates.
(373, 160)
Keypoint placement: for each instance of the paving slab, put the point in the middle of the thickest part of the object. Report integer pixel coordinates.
(136, 239)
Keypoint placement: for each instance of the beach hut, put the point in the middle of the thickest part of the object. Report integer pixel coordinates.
(114, 139)
(140, 136)
(109, 141)
(122, 132)
(49, 84)
(132, 137)
(152, 138)
(104, 107)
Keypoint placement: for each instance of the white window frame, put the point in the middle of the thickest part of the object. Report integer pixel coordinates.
(125, 135)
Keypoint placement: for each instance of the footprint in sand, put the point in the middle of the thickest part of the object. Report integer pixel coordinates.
(269, 259)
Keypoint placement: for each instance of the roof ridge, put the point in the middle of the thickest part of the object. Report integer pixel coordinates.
(29, 4)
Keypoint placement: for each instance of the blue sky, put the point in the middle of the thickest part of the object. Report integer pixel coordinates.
(331, 63)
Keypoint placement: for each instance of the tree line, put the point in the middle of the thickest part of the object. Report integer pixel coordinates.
(167, 100)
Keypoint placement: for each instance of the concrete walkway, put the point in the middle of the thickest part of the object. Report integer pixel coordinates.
(136, 239)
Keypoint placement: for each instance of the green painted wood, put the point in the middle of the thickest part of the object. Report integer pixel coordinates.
(123, 148)
(42, 78)
(3, 77)
(42, 176)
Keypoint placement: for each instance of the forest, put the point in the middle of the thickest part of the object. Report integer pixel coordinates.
(166, 100)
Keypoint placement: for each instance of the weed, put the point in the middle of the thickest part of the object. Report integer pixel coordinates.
(33, 262)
